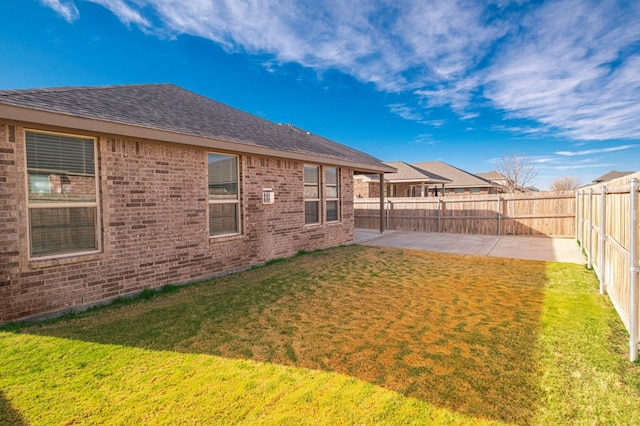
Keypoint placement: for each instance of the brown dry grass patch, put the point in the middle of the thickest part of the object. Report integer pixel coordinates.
(459, 332)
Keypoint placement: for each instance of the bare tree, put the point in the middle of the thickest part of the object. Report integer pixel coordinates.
(519, 171)
(567, 183)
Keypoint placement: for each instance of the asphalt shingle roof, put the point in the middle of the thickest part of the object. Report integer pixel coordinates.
(409, 172)
(458, 177)
(492, 175)
(613, 174)
(170, 108)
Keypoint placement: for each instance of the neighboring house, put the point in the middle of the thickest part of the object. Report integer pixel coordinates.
(407, 181)
(106, 191)
(503, 182)
(496, 178)
(462, 182)
(613, 174)
(424, 179)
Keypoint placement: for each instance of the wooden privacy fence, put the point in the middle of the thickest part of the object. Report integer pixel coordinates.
(543, 213)
(607, 228)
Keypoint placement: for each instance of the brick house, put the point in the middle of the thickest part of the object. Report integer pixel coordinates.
(106, 191)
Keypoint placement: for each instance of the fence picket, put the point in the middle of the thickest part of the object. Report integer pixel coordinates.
(615, 255)
(545, 213)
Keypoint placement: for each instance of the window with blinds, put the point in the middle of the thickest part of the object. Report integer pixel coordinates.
(332, 194)
(62, 194)
(224, 196)
(311, 194)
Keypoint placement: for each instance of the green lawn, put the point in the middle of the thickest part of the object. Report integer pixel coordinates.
(350, 335)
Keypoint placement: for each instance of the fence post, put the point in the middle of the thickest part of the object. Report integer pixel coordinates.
(635, 270)
(603, 240)
(389, 211)
(439, 201)
(499, 213)
(578, 217)
(589, 230)
(381, 195)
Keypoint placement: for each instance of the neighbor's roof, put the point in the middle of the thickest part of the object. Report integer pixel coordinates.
(169, 113)
(613, 174)
(411, 173)
(492, 175)
(458, 177)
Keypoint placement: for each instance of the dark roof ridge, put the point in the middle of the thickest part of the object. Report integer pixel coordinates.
(55, 89)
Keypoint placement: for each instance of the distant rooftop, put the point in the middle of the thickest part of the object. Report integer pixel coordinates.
(492, 175)
(458, 177)
(410, 173)
(613, 174)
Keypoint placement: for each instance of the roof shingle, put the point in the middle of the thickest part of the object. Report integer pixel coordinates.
(410, 172)
(458, 177)
(167, 107)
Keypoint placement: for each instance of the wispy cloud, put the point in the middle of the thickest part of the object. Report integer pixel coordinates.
(580, 166)
(405, 112)
(425, 139)
(125, 13)
(594, 151)
(66, 9)
(570, 65)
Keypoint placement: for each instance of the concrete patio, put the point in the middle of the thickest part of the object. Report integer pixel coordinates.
(511, 246)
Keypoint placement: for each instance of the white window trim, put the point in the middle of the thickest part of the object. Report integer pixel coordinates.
(88, 204)
(227, 201)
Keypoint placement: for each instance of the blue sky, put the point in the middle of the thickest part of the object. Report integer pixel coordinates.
(463, 82)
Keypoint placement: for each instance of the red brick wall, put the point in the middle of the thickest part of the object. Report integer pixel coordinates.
(153, 208)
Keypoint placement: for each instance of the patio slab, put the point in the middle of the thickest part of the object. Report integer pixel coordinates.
(510, 246)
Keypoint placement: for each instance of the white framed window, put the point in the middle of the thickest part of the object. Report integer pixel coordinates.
(62, 194)
(311, 194)
(224, 194)
(332, 194)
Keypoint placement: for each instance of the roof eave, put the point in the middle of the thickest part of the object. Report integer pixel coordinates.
(66, 121)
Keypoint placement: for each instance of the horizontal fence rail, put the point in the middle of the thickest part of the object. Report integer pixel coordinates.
(607, 228)
(544, 213)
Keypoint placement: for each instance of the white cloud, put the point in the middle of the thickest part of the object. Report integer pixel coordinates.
(572, 166)
(594, 151)
(542, 160)
(569, 65)
(405, 112)
(124, 12)
(66, 9)
(571, 68)
(399, 46)
(425, 139)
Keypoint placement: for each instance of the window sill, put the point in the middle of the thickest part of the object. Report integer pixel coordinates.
(64, 259)
(224, 237)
